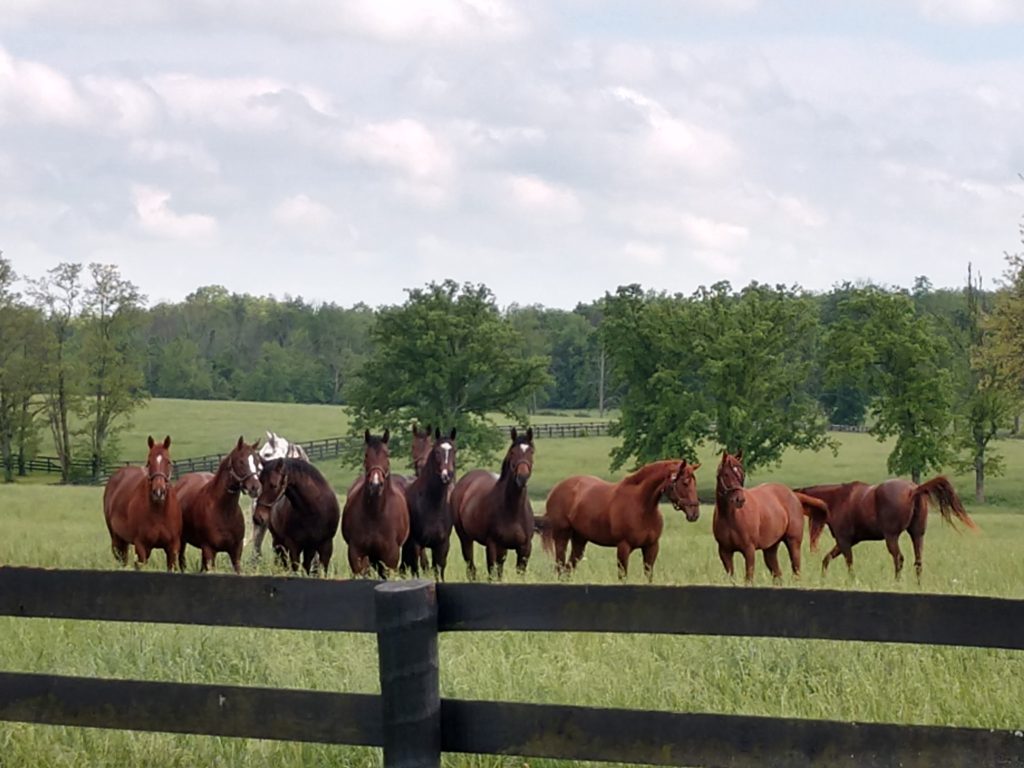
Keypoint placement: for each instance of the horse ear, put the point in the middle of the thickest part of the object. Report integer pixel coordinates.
(366, 436)
(739, 454)
(167, 442)
(437, 433)
(452, 435)
(256, 445)
(270, 436)
(529, 434)
(151, 441)
(387, 434)
(241, 441)
(415, 431)
(695, 467)
(514, 434)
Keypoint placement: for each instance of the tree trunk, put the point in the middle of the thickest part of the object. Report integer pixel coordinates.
(979, 477)
(915, 475)
(1016, 424)
(600, 383)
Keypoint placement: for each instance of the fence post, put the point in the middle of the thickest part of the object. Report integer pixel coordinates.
(410, 691)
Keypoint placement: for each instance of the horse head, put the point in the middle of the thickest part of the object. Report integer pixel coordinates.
(159, 468)
(682, 490)
(244, 464)
(519, 458)
(376, 461)
(731, 476)
(273, 484)
(420, 448)
(276, 447)
(442, 452)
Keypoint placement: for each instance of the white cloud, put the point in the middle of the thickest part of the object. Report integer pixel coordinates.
(645, 254)
(536, 195)
(301, 212)
(405, 145)
(671, 140)
(174, 153)
(34, 92)
(972, 11)
(155, 216)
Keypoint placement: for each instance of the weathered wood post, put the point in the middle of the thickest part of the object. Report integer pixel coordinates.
(410, 692)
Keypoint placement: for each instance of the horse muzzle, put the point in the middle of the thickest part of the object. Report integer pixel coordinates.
(691, 510)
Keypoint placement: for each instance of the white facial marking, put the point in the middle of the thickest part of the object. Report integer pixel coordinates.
(252, 464)
(523, 447)
(446, 446)
(158, 460)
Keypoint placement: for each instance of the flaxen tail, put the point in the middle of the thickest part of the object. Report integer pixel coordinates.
(817, 512)
(950, 506)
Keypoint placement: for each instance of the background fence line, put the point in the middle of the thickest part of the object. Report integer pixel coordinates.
(333, 447)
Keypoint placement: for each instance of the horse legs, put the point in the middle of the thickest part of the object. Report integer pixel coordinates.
(209, 557)
(917, 539)
(500, 553)
(893, 543)
(650, 553)
(141, 554)
(181, 556)
(259, 531)
(326, 551)
(236, 558)
(439, 556)
(523, 557)
(579, 544)
(748, 557)
(467, 554)
(793, 547)
(726, 556)
(411, 557)
(622, 553)
(307, 560)
(771, 559)
(561, 542)
(172, 556)
(120, 549)
(357, 562)
(843, 548)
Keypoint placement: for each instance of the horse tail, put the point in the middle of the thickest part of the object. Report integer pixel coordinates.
(943, 492)
(542, 525)
(816, 511)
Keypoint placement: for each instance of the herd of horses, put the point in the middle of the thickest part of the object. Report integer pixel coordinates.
(391, 522)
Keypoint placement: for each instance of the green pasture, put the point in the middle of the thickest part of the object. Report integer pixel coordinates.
(62, 527)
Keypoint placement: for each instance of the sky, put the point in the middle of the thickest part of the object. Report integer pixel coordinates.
(343, 152)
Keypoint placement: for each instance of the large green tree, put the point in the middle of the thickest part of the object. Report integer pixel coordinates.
(111, 361)
(881, 344)
(720, 366)
(448, 357)
(58, 297)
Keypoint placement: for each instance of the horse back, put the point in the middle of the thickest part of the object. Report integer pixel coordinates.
(469, 514)
(561, 502)
(778, 510)
(189, 487)
(120, 489)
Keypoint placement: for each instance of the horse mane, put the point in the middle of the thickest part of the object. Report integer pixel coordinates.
(639, 476)
(297, 467)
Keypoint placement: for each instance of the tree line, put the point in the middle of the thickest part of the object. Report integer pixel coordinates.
(762, 368)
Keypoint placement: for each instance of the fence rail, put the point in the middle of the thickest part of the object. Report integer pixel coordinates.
(333, 447)
(414, 725)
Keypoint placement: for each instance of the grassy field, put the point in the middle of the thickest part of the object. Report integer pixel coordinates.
(62, 527)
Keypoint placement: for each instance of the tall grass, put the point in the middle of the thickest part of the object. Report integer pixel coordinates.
(63, 528)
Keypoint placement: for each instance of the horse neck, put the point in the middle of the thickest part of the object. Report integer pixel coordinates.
(220, 485)
(722, 505)
(512, 494)
(650, 482)
(430, 483)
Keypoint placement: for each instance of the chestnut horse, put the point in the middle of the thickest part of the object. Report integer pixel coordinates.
(301, 510)
(495, 510)
(760, 518)
(141, 508)
(861, 512)
(430, 511)
(211, 517)
(623, 515)
(375, 521)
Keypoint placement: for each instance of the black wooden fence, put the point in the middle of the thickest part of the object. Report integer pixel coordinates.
(414, 725)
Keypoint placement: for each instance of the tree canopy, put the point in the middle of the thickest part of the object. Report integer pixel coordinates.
(447, 357)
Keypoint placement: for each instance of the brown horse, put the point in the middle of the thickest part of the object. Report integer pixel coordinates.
(141, 508)
(211, 517)
(759, 518)
(861, 512)
(623, 515)
(301, 510)
(375, 521)
(421, 448)
(495, 510)
(430, 511)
